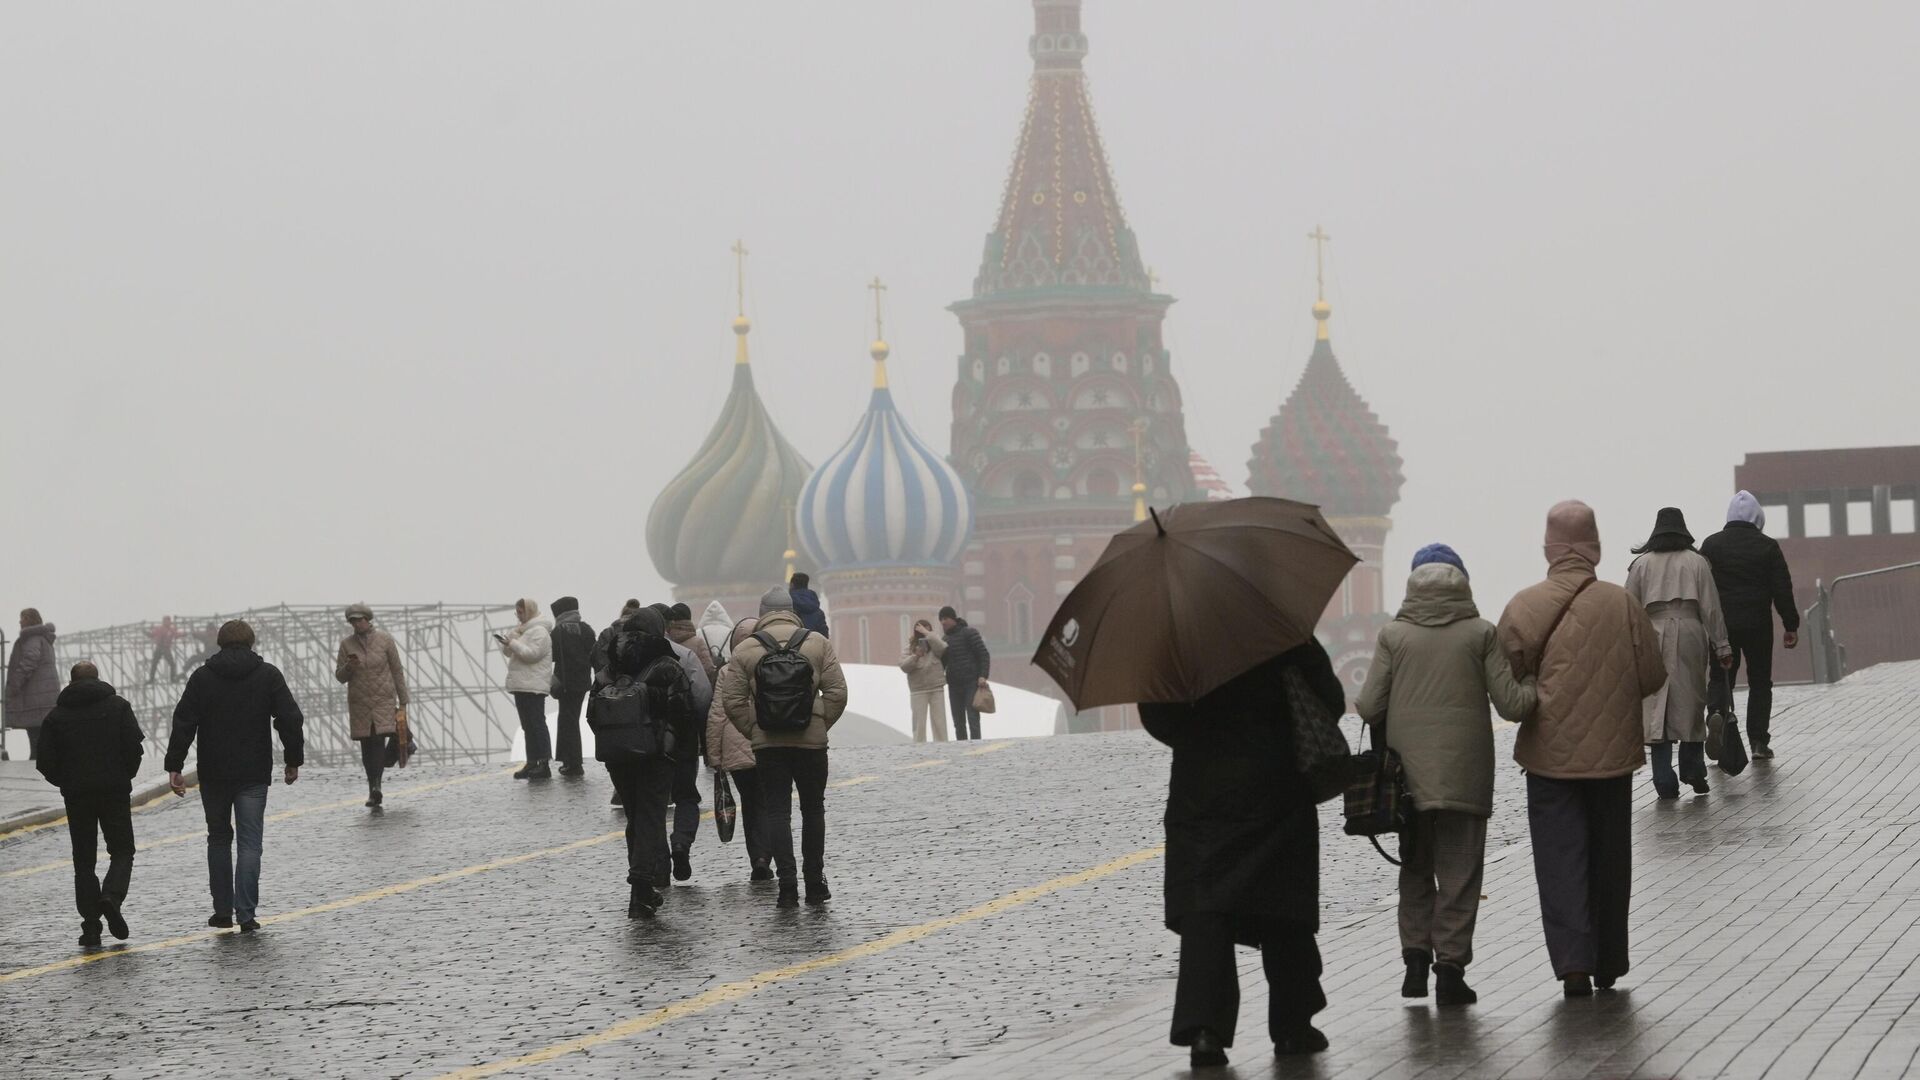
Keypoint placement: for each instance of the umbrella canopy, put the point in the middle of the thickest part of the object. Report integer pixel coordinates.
(1178, 605)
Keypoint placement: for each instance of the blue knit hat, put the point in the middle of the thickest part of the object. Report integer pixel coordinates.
(1439, 553)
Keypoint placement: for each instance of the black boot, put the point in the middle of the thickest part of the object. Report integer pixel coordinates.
(1418, 961)
(1603, 982)
(1207, 1052)
(817, 892)
(534, 770)
(761, 872)
(572, 770)
(682, 864)
(1577, 985)
(642, 902)
(1450, 986)
(220, 922)
(1305, 1039)
(90, 934)
(789, 894)
(374, 797)
(116, 922)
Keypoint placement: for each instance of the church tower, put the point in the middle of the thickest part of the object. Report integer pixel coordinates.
(1326, 447)
(1065, 397)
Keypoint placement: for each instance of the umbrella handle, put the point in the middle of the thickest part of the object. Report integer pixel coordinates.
(1156, 520)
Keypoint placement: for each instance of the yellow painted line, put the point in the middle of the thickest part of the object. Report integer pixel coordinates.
(284, 815)
(853, 782)
(989, 748)
(150, 804)
(928, 764)
(734, 991)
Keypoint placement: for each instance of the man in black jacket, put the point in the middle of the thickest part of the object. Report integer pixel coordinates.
(1751, 575)
(964, 652)
(573, 645)
(90, 748)
(233, 704)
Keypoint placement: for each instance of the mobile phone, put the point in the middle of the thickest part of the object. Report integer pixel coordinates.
(500, 639)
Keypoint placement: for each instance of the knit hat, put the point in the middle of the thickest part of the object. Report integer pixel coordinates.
(680, 613)
(948, 613)
(775, 599)
(1439, 553)
(1572, 530)
(566, 604)
(665, 613)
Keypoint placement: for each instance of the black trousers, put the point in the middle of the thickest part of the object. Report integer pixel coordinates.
(1583, 861)
(376, 754)
(645, 785)
(533, 720)
(107, 813)
(752, 824)
(1208, 993)
(1754, 647)
(567, 749)
(784, 770)
(966, 718)
(686, 802)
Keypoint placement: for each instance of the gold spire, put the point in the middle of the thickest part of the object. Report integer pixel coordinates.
(741, 324)
(1139, 429)
(880, 350)
(1321, 309)
(790, 554)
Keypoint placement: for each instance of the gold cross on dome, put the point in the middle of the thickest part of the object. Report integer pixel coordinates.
(1319, 237)
(879, 326)
(740, 274)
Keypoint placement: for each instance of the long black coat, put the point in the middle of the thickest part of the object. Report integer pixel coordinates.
(1243, 834)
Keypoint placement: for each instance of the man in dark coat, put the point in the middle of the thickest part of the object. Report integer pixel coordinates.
(806, 604)
(1243, 854)
(1751, 575)
(573, 645)
(90, 748)
(233, 704)
(964, 652)
(640, 660)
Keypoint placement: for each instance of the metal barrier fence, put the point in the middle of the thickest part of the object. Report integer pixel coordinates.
(1864, 619)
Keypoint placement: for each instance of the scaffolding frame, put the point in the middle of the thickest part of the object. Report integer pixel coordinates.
(457, 710)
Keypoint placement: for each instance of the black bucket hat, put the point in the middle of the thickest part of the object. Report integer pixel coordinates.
(1670, 522)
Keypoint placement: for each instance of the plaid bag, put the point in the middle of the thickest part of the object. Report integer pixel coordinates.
(1320, 752)
(1377, 802)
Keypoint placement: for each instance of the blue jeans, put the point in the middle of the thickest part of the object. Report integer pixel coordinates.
(233, 807)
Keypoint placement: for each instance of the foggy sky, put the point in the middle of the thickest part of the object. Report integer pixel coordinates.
(412, 302)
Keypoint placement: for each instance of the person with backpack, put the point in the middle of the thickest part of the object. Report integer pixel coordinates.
(573, 643)
(784, 690)
(643, 722)
(90, 748)
(686, 770)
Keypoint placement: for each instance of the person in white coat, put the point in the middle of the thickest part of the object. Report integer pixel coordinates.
(529, 652)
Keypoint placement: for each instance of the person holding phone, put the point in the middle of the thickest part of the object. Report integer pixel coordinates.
(529, 652)
(926, 683)
(369, 663)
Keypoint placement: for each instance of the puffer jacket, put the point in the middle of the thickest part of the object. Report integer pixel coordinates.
(1751, 575)
(1603, 659)
(829, 684)
(33, 678)
(529, 653)
(376, 686)
(1433, 671)
(727, 749)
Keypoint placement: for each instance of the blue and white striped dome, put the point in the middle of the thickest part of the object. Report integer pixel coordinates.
(885, 498)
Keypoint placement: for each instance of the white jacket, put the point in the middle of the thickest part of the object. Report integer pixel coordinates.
(529, 653)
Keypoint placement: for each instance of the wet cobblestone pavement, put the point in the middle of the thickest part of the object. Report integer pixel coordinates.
(996, 910)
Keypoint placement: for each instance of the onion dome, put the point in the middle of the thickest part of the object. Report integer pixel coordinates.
(1325, 446)
(725, 518)
(1207, 480)
(885, 498)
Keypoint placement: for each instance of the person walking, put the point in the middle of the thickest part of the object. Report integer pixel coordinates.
(163, 637)
(642, 722)
(806, 604)
(33, 678)
(603, 675)
(1675, 585)
(1596, 657)
(926, 683)
(682, 632)
(528, 648)
(968, 663)
(686, 767)
(1243, 854)
(730, 752)
(784, 690)
(1752, 576)
(232, 705)
(1434, 669)
(573, 642)
(369, 663)
(90, 748)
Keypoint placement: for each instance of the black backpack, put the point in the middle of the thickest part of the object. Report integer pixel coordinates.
(783, 685)
(648, 716)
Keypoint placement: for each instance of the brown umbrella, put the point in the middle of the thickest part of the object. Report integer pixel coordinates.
(1178, 605)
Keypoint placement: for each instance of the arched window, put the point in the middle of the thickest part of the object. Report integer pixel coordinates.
(1020, 615)
(1102, 484)
(1028, 485)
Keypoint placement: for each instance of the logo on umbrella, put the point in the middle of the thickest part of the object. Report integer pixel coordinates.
(1070, 633)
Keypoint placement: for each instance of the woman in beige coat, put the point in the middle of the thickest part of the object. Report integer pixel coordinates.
(369, 663)
(731, 752)
(926, 683)
(1675, 584)
(1435, 667)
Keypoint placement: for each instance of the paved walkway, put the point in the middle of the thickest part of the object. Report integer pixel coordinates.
(1776, 929)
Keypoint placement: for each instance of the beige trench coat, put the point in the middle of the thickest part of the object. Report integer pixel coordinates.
(1676, 588)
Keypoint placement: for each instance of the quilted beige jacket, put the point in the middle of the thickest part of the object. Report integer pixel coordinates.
(1601, 662)
(727, 749)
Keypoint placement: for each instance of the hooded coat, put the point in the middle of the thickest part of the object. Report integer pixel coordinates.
(33, 677)
(1750, 571)
(1676, 588)
(1243, 834)
(376, 685)
(91, 741)
(529, 653)
(1595, 663)
(572, 644)
(232, 705)
(1434, 669)
(727, 749)
(806, 604)
(736, 691)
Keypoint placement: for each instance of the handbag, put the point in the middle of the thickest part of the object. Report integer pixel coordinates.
(1377, 802)
(1320, 752)
(983, 700)
(1724, 744)
(725, 810)
(402, 739)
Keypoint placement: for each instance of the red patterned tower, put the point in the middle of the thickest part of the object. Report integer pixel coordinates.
(1326, 447)
(1062, 359)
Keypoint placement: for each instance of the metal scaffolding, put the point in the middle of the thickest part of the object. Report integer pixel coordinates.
(458, 710)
